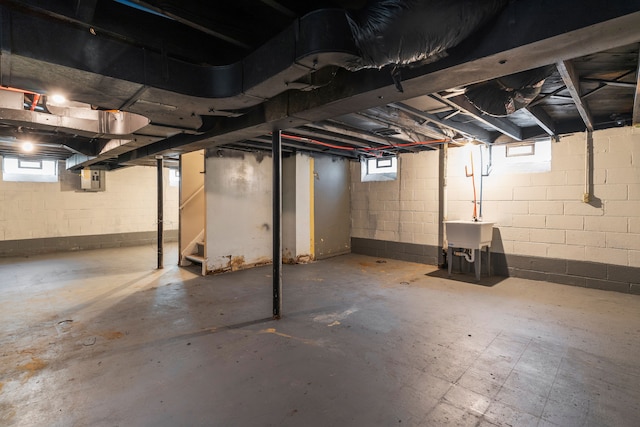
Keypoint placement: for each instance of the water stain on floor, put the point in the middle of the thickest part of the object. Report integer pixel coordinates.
(112, 335)
(31, 368)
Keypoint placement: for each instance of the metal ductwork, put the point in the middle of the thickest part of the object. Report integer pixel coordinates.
(410, 32)
(505, 95)
(76, 121)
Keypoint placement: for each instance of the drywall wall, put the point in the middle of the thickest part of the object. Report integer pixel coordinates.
(331, 206)
(41, 217)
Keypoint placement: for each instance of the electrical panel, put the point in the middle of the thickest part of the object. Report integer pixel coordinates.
(92, 180)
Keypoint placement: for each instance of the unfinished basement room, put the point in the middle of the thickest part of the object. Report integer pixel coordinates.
(319, 213)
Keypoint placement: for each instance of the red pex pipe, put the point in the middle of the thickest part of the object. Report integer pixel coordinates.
(365, 149)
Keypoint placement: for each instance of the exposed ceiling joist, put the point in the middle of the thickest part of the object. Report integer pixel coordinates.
(385, 118)
(636, 99)
(280, 8)
(610, 83)
(467, 129)
(341, 129)
(543, 120)
(199, 24)
(572, 82)
(324, 136)
(503, 126)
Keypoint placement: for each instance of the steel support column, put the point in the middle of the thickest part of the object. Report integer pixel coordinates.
(276, 151)
(160, 213)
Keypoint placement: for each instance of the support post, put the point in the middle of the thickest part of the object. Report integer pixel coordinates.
(160, 213)
(443, 154)
(276, 150)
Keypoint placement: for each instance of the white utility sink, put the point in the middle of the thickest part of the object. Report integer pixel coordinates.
(469, 234)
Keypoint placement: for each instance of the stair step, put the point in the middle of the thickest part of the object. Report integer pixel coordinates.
(195, 258)
(200, 248)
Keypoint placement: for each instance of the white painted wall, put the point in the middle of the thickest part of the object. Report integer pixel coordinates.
(239, 214)
(239, 209)
(331, 206)
(296, 208)
(538, 214)
(40, 210)
(303, 230)
(404, 210)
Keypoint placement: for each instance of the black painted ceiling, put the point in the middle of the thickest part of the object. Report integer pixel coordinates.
(218, 73)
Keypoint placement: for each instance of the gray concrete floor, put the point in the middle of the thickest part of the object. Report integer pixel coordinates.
(100, 338)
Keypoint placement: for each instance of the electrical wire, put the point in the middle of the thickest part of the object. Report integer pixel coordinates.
(363, 149)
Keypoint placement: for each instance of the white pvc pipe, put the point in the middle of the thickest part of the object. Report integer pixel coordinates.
(469, 257)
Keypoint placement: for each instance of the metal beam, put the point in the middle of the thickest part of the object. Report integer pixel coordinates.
(541, 117)
(636, 99)
(467, 129)
(160, 212)
(503, 126)
(571, 80)
(276, 152)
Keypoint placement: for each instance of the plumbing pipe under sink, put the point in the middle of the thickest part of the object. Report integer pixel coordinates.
(468, 256)
(468, 237)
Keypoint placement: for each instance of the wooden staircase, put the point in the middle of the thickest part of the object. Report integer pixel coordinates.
(195, 253)
(198, 256)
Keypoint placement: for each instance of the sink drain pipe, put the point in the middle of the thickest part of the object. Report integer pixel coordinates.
(470, 256)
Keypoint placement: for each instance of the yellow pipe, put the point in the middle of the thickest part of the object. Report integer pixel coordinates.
(312, 219)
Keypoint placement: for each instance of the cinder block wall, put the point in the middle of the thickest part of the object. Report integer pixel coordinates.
(44, 217)
(544, 230)
(398, 219)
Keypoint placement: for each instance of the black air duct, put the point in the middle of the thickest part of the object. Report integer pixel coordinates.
(505, 95)
(404, 32)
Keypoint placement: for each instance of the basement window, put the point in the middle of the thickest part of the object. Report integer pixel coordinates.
(379, 169)
(31, 170)
(524, 157)
(174, 177)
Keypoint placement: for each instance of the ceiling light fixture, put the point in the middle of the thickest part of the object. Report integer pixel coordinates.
(27, 147)
(58, 99)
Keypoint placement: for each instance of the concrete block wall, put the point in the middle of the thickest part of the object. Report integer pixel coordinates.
(40, 217)
(400, 217)
(543, 229)
(543, 215)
